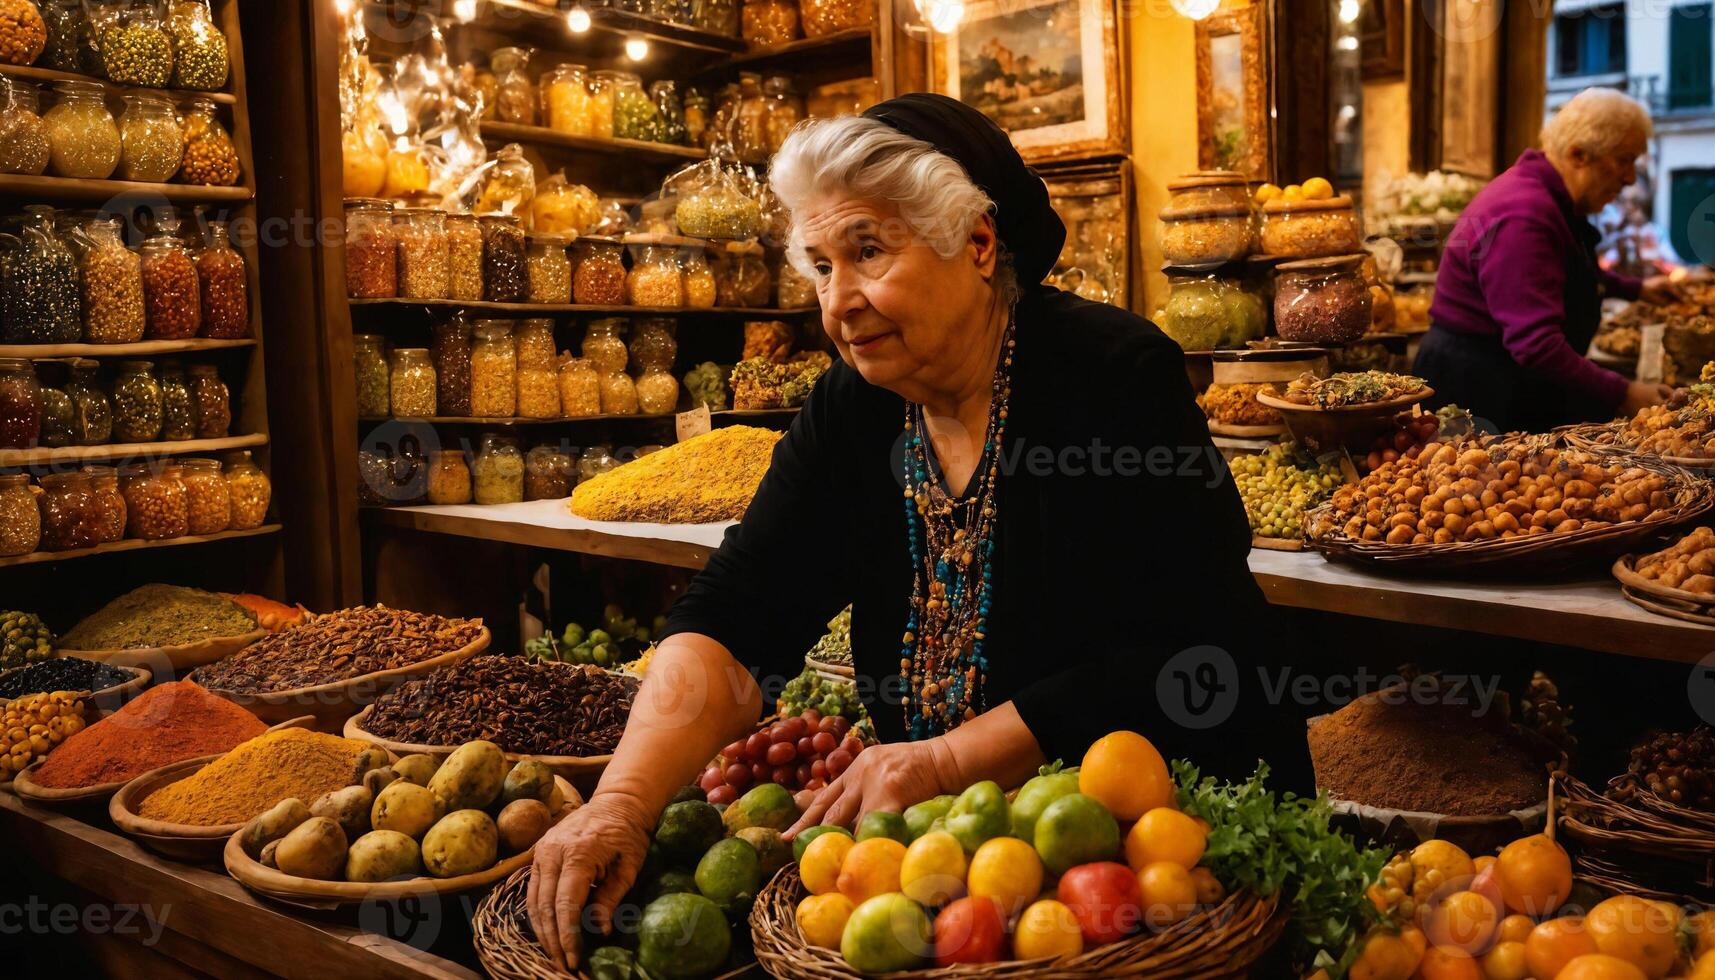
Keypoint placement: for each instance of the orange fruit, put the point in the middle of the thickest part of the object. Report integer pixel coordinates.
(1169, 894)
(933, 871)
(1438, 866)
(1447, 964)
(1007, 870)
(1465, 921)
(1599, 966)
(1415, 936)
(820, 866)
(1555, 943)
(871, 867)
(1125, 773)
(1505, 962)
(1702, 927)
(1482, 862)
(1318, 189)
(822, 919)
(1164, 834)
(1210, 891)
(1047, 928)
(1703, 969)
(1536, 875)
(1636, 930)
(1384, 956)
(1514, 929)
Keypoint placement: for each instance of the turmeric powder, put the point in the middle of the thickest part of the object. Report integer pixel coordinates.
(702, 480)
(255, 776)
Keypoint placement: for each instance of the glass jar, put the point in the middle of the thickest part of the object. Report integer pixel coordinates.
(249, 489)
(20, 518)
(374, 478)
(785, 107)
(67, 26)
(211, 401)
(424, 257)
(91, 410)
(534, 341)
(514, 94)
(69, 516)
(450, 352)
(657, 392)
(741, 279)
(538, 393)
(223, 286)
(413, 383)
(493, 372)
(665, 95)
(504, 275)
(563, 208)
(464, 257)
(208, 499)
(370, 247)
(655, 280)
(699, 279)
(547, 474)
(407, 169)
(635, 117)
(724, 118)
(618, 394)
(550, 269)
(40, 296)
(1209, 189)
(151, 143)
(83, 139)
(792, 289)
(750, 123)
(769, 22)
(653, 344)
(155, 504)
(603, 346)
(135, 48)
(499, 471)
(112, 278)
(580, 389)
(56, 419)
(107, 501)
(1321, 301)
(822, 17)
(601, 102)
(171, 294)
(178, 412)
(210, 156)
(1195, 314)
(717, 209)
(1311, 229)
(449, 477)
(20, 404)
(374, 392)
(137, 407)
(600, 276)
(1203, 236)
(23, 135)
(488, 87)
(199, 48)
(566, 100)
(696, 113)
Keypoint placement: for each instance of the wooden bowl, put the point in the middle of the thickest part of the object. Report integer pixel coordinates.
(578, 769)
(1245, 431)
(332, 703)
(1351, 427)
(168, 663)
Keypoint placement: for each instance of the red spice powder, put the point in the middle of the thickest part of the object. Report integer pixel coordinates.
(164, 725)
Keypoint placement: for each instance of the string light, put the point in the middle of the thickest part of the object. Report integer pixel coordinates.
(636, 48)
(577, 20)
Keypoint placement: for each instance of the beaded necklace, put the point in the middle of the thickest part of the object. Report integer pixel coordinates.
(952, 551)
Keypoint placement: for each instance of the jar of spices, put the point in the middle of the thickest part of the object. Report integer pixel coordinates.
(514, 94)
(600, 276)
(750, 124)
(724, 118)
(211, 401)
(534, 341)
(699, 279)
(665, 94)
(603, 346)
(108, 502)
(498, 472)
(716, 16)
(1311, 229)
(112, 277)
(178, 416)
(741, 279)
(1322, 301)
(696, 112)
(493, 372)
(151, 143)
(208, 500)
(823, 17)
(655, 280)
(563, 208)
(784, 107)
(374, 392)
(1209, 189)
(413, 379)
(504, 275)
(171, 293)
(20, 404)
(550, 269)
(155, 504)
(224, 286)
(83, 139)
(69, 517)
(210, 156)
(23, 135)
(538, 393)
(67, 27)
(547, 474)
(769, 22)
(136, 403)
(370, 247)
(449, 477)
(450, 353)
(580, 389)
(1195, 314)
(792, 289)
(657, 392)
(424, 256)
(20, 518)
(618, 394)
(135, 48)
(40, 296)
(464, 257)
(91, 411)
(602, 85)
(249, 489)
(1205, 235)
(199, 48)
(56, 419)
(566, 100)
(717, 209)
(653, 345)
(407, 169)
(635, 117)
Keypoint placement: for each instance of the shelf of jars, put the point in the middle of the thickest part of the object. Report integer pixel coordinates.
(515, 419)
(137, 349)
(631, 150)
(39, 75)
(543, 309)
(40, 456)
(93, 190)
(846, 47)
(135, 544)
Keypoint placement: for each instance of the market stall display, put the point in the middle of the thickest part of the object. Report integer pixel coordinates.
(1345, 410)
(67, 673)
(1278, 486)
(166, 626)
(34, 725)
(1676, 581)
(702, 480)
(1682, 431)
(804, 750)
(761, 383)
(1232, 409)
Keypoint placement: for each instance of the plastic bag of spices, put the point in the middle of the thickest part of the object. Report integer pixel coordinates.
(715, 201)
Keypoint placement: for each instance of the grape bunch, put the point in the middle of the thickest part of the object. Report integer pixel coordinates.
(812, 690)
(1677, 766)
(806, 752)
(1279, 485)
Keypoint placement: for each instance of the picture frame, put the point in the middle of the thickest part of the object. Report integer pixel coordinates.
(1049, 72)
(1470, 83)
(1234, 125)
(1096, 204)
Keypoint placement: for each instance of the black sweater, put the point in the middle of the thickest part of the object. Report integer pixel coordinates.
(1120, 541)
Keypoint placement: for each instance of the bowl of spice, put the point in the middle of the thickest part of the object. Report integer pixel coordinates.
(109, 686)
(188, 809)
(166, 628)
(162, 726)
(331, 665)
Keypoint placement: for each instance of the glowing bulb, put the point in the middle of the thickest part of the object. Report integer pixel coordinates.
(944, 16)
(464, 10)
(1196, 9)
(577, 20)
(636, 48)
(1347, 43)
(343, 7)
(1348, 11)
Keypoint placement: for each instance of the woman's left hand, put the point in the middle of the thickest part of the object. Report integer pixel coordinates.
(1660, 290)
(887, 777)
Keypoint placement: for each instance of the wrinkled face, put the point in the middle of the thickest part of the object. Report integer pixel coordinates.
(898, 311)
(1605, 176)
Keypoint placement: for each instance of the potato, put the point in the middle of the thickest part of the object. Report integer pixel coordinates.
(407, 808)
(461, 843)
(376, 780)
(268, 853)
(314, 849)
(471, 777)
(382, 855)
(374, 757)
(528, 780)
(347, 807)
(521, 824)
(418, 768)
(276, 823)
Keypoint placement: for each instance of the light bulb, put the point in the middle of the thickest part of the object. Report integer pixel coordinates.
(943, 16)
(1348, 11)
(577, 20)
(344, 7)
(1196, 9)
(464, 10)
(636, 48)
(1347, 43)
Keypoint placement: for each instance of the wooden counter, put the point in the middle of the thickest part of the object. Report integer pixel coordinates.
(549, 524)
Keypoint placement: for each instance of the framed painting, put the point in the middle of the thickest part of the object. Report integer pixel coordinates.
(1049, 72)
(1233, 129)
(1096, 205)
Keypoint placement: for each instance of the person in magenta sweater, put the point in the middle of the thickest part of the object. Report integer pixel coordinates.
(1519, 293)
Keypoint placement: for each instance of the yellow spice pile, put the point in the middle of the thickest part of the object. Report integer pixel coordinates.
(702, 480)
(256, 775)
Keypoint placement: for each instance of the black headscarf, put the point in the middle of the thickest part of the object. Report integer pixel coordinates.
(1024, 220)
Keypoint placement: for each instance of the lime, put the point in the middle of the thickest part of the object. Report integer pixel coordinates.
(730, 873)
(683, 936)
(879, 823)
(1075, 830)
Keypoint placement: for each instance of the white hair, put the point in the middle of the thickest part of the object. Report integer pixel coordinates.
(870, 160)
(1599, 121)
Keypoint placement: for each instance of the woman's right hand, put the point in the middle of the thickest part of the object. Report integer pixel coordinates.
(602, 845)
(1642, 394)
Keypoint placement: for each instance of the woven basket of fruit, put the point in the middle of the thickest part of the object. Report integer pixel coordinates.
(1678, 581)
(1346, 410)
(1629, 838)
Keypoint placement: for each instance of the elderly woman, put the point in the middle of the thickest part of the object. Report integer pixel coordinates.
(1519, 294)
(1012, 486)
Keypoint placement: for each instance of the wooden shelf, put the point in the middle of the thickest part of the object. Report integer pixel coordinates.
(550, 524)
(77, 189)
(545, 25)
(126, 450)
(134, 544)
(851, 45)
(474, 420)
(752, 413)
(140, 349)
(47, 76)
(500, 132)
(546, 309)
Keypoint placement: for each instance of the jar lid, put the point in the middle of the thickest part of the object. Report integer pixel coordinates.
(1332, 263)
(136, 365)
(1336, 203)
(552, 238)
(1207, 178)
(413, 212)
(1205, 212)
(380, 203)
(599, 240)
(14, 363)
(199, 463)
(501, 217)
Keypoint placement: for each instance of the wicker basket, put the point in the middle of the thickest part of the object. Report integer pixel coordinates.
(1223, 941)
(1691, 607)
(1651, 846)
(1609, 439)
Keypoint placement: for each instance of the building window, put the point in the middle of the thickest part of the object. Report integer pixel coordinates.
(1591, 41)
(1687, 189)
(1688, 37)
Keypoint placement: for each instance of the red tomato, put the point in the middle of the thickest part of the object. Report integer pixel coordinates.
(722, 794)
(970, 930)
(1105, 899)
(738, 775)
(780, 733)
(712, 776)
